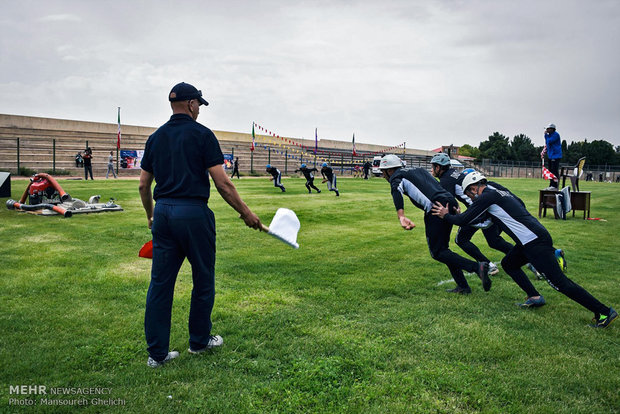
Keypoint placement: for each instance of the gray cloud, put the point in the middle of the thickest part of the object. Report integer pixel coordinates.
(428, 73)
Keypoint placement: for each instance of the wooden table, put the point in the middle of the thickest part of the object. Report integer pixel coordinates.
(546, 198)
(580, 200)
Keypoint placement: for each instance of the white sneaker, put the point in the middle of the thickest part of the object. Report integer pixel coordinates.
(214, 341)
(154, 364)
(493, 269)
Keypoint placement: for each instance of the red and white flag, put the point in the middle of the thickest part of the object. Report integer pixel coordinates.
(548, 175)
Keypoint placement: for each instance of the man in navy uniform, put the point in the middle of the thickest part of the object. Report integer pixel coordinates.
(180, 156)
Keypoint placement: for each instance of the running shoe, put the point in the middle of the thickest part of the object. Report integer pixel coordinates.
(532, 303)
(155, 364)
(604, 321)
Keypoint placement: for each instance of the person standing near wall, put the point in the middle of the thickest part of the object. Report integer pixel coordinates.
(553, 145)
(110, 166)
(88, 166)
(236, 169)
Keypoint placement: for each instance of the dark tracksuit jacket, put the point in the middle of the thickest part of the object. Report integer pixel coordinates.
(452, 181)
(423, 190)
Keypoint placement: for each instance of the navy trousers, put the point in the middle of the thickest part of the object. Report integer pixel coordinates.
(438, 240)
(181, 228)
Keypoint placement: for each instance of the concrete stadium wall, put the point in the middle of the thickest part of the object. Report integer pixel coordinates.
(46, 144)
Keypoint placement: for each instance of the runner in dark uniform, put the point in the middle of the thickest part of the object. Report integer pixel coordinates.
(423, 190)
(451, 180)
(367, 167)
(329, 177)
(276, 176)
(533, 244)
(307, 172)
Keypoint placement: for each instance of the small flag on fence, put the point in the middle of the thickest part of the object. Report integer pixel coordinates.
(316, 141)
(118, 134)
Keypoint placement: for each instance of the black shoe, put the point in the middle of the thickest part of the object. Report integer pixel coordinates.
(460, 290)
(483, 274)
(337, 194)
(604, 321)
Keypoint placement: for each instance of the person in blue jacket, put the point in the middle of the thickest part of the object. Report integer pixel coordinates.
(533, 244)
(553, 145)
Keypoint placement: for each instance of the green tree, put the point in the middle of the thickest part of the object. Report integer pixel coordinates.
(597, 152)
(496, 148)
(469, 151)
(524, 149)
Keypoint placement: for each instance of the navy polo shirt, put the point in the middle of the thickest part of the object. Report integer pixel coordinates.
(178, 155)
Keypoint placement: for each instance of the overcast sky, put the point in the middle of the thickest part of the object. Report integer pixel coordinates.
(427, 72)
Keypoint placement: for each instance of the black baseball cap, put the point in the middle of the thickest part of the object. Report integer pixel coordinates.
(184, 92)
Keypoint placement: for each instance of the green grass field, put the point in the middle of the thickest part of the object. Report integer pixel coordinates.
(356, 320)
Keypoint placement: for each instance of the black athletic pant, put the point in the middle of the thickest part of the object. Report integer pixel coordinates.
(541, 254)
(554, 168)
(438, 240)
(491, 234)
(310, 183)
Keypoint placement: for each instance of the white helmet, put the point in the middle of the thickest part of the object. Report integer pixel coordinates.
(551, 126)
(472, 178)
(390, 161)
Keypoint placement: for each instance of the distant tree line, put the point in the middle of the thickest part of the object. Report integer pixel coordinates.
(499, 147)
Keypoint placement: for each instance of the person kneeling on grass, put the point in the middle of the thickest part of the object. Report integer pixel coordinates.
(533, 243)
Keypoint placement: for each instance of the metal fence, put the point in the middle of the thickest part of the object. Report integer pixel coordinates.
(522, 169)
